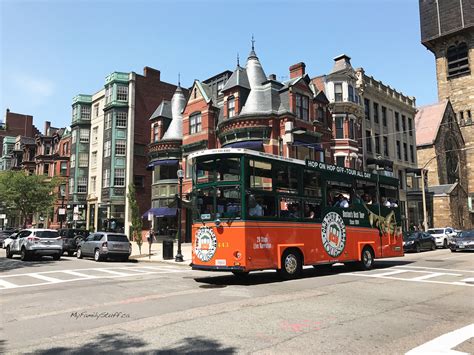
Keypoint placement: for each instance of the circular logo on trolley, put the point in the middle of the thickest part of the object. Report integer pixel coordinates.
(333, 233)
(206, 244)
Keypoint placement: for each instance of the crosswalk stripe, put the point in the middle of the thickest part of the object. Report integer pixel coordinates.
(45, 278)
(428, 276)
(114, 272)
(394, 272)
(78, 274)
(6, 284)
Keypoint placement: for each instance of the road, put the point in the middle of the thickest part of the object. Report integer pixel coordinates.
(80, 306)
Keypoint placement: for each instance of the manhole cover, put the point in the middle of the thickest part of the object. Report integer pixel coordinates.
(213, 286)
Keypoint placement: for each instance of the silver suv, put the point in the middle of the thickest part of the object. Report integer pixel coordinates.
(103, 245)
(443, 236)
(36, 242)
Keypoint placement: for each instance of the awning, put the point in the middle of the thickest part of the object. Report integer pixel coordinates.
(245, 144)
(315, 146)
(160, 212)
(382, 163)
(154, 163)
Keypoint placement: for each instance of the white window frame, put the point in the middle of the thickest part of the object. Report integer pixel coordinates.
(85, 112)
(94, 159)
(73, 160)
(84, 135)
(120, 147)
(119, 177)
(82, 185)
(107, 149)
(195, 123)
(83, 160)
(106, 178)
(122, 93)
(121, 119)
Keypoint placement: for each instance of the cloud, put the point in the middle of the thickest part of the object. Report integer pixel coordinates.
(37, 88)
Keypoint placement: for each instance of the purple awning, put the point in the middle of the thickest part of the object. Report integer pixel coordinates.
(315, 146)
(154, 163)
(245, 144)
(161, 212)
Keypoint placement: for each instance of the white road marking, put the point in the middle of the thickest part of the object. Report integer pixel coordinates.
(113, 272)
(389, 273)
(6, 284)
(428, 276)
(45, 278)
(445, 343)
(78, 274)
(432, 268)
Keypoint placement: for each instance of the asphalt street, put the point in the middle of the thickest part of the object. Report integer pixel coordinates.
(79, 306)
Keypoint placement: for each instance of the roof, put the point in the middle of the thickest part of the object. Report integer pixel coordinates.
(446, 189)
(238, 78)
(427, 122)
(318, 82)
(163, 110)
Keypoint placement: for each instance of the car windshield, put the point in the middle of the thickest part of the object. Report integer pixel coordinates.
(435, 231)
(466, 234)
(117, 238)
(47, 234)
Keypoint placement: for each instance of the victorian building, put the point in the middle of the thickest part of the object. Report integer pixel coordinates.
(447, 30)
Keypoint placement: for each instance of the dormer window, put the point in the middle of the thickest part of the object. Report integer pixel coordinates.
(156, 130)
(195, 125)
(231, 107)
(338, 92)
(458, 62)
(302, 107)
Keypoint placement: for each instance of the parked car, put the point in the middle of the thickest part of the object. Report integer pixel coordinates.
(4, 234)
(6, 242)
(103, 245)
(463, 241)
(418, 241)
(443, 236)
(71, 238)
(36, 242)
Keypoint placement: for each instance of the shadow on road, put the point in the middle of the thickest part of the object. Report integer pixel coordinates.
(259, 278)
(17, 264)
(119, 343)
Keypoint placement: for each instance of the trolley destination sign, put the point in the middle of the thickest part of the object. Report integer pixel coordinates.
(338, 169)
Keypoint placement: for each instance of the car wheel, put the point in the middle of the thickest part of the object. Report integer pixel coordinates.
(417, 248)
(79, 253)
(97, 256)
(453, 250)
(9, 253)
(70, 253)
(24, 255)
(291, 265)
(445, 244)
(433, 246)
(57, 256)
(366, 259)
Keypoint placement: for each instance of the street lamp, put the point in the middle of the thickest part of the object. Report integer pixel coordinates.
(62, 214)
(179, 255)
(425, 214)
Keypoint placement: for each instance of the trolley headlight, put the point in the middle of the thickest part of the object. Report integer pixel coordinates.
(237, 255)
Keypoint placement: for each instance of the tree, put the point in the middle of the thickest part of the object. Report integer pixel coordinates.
(137, 224)
(27, 194)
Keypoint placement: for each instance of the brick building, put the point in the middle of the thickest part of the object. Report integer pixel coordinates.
(447, 30)
(15, 124)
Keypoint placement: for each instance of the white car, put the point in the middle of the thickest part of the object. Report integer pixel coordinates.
(8, 240)
(36, 242)
(443, 236)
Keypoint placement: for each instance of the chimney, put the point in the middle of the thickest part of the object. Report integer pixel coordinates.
(341, 62)
(47, 125)
(272, 77)
(150, 72)
(297, 70)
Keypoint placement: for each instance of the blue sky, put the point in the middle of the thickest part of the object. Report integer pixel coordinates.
(53, 50)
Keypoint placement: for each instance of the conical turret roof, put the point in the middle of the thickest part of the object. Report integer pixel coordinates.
(175, 129)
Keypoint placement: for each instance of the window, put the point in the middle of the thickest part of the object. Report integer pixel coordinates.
(399, 151)
(312, 183)
(120, 147)
(82, 185)
(93, 183)
(338, 92)
(46, 169)
(339, 127)
(139, 181)
(122, 93)
(400, 178)
(458, 62)
(320, 114)
(397, 121)
(405, 151)
(289, 208)
(108, 94)
(84, 135)
(73, 136)
(340, 161)
(83, 160)
(95, 134)
(63, 168)
(85, 112)
(351, 129)
(260, 175)
(94, 159)
(119, 177)
(71, 185)
(367, 109)
(106, 178)
(404, 124)
(108, 120)
(230, 107)
(121, 119)
(368, 141)
(65, 148)
(385, 146)
(156, 130)
(73, 160)
(286, 178)
(302, 107)
(384, 116)
(351, 93)
(377, 144)
(107, 149)
(376, 112)
(412, 154)
(96, 110)
(410, 126)
(195, 123)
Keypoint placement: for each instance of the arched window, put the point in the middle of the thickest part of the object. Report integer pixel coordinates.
(457, 56)
(452, 160)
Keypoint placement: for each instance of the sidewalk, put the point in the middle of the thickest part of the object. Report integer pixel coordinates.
(157, 253)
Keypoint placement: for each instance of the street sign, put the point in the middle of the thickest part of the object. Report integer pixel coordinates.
(76, 209)
(61, 211)
(150, 216)
(3, 216)
(75, 217)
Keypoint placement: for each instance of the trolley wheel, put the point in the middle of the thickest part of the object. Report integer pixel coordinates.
(291, 264)
(366, 259)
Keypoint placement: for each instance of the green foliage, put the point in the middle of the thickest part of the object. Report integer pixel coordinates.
(27, 194)
(137, 224)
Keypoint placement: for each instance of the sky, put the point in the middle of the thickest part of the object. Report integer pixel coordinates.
(52, 50)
